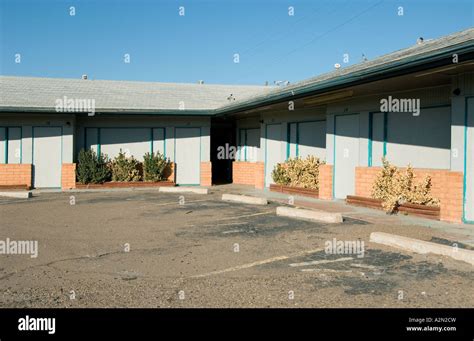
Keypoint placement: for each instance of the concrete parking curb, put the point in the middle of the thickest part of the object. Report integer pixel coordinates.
(179, 189)
(17, 195)
(422, 247)
(244, 199)
(316, 215)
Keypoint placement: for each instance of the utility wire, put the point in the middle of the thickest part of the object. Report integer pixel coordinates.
(334, 28)
(331, 30)
(284, 32)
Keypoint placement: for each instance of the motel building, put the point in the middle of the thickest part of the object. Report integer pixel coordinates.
(413, 106)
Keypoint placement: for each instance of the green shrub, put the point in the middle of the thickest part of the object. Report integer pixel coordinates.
(394, 188)
(92, 168)
(126, 168)
(298, 172)
(155, 167)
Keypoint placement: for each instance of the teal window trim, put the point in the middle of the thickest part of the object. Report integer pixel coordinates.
(7, 140)
(265, 159)
(99, 143)
(62, 153)
(33, 147)
(297, 152)
(244, 144)
(6, 145)
(152, 139)
(385, 132)
(371, 136)
(288, 140)
(99, 148)
(164, 142)
(369, 147)
(385, 124)
(466, 113)
(5, 150)
(265, 164)
(297, 139)
(21, 143)
(239, 143)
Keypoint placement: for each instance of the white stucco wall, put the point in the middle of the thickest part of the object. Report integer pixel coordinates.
(27, 122)
(141, 124)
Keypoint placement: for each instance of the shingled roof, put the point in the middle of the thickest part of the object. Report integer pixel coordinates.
(360, 72)
(40, 94)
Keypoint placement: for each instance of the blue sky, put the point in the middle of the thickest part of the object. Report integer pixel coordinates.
(166, 47)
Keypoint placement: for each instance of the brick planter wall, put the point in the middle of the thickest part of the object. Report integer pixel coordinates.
(16, 174)
(325, 182)
(248, 173)
(243, 173)
(447, 186)
(259, 175)
(206, 174)
(68, 176)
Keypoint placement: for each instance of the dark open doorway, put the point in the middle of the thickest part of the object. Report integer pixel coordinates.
(222, 135)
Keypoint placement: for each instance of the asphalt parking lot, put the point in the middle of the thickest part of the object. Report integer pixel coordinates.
(143, 248)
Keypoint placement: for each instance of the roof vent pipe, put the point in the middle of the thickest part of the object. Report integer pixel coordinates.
(84, 77)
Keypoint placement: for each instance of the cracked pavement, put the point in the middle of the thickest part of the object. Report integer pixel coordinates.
(144, 249)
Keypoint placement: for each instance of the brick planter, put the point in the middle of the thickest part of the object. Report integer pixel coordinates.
(325, 182)
(248, 173)
(68, 176)
(447, 186)
(307, 192)
(130, 184)
(16, 175)
(206, 174)
(14, 187)
(430, 212)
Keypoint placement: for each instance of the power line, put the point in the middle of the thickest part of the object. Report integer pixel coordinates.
(281, 32)
(333, 29)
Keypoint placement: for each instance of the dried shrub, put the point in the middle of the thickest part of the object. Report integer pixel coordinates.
(395, 188)
(298, 172)
(279, 174)
(126, 168)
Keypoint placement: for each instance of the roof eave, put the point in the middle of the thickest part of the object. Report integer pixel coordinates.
(442, 57)
(159, 112)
